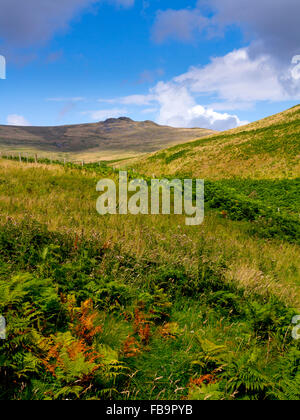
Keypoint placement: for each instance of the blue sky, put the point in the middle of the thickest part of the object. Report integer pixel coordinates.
(214, 64)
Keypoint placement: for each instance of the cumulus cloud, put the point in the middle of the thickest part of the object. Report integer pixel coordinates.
(178, 24)
(260, 72)
(178, 108)
(15, 119)
(237, 78)
(24, 23)
(236, 81)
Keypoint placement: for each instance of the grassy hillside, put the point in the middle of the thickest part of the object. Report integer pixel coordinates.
(108, 140)
(144, 307)
(266, 149)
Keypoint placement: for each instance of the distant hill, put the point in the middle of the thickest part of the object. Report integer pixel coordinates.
(113, 138)
(269, 148)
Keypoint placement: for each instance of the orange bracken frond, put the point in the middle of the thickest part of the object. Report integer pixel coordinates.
(205, 379)
(131, 347)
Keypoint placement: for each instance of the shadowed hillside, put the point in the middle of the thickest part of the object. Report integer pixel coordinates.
(113, 138)
(269, 148)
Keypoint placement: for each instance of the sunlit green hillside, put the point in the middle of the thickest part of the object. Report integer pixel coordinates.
(144, 307)
(266, 149)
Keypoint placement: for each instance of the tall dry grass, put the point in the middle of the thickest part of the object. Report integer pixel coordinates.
(65, 200)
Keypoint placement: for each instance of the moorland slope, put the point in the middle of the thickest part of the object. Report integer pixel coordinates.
(266, 149)
(110, 139)
(145, 307)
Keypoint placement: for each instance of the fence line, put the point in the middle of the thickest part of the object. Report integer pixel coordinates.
(33, 157)
(76, 164)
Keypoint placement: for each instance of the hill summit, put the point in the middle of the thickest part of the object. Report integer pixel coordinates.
(115, 137)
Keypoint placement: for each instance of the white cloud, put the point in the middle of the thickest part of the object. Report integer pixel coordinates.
(178, 108)
(15, 119)
(237, 78)
(235, 81)
(260, 72)
(104, 114)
